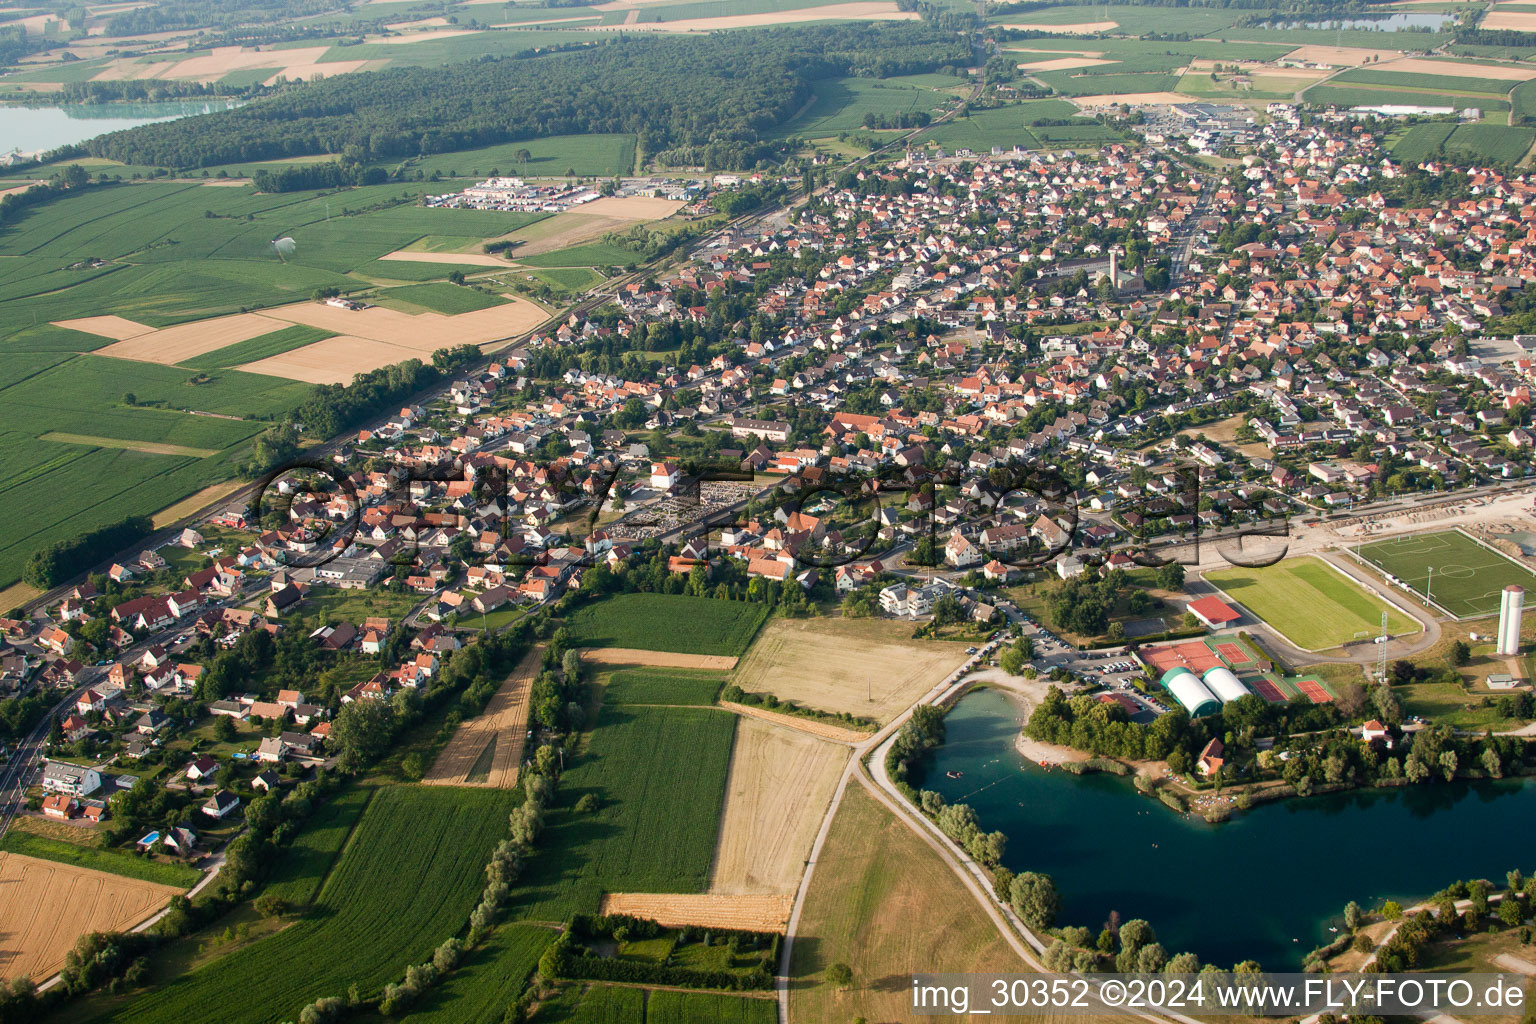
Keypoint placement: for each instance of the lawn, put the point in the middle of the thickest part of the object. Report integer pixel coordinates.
(1314, 605)
(873, 883)
(668, 622)
(1462, 576)
(304, 865)
(449, 299)
(406, 881)
(333, 604)
(276, 343)
(117, 862)
(662, 686)
(658, 774)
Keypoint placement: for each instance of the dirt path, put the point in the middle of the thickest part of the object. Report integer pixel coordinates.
(821, 730)
(504, 723)
(656, 659)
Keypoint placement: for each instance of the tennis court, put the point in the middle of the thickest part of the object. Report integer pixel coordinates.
(1266, 689)
(1450, 568)
(1315, 691)
(1234, 654)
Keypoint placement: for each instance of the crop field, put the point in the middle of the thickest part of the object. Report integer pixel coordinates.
(494, 738)
(407, 879)
(1127, 20)
(587, 1003)
(1003, 126)
(1312, 604)
(667, 622)
(866, 667)
(98, 859)
(841, 103)
(663, 686)
(658, 774)
(276, 343)
(1462, 576)
(780, 783)
(592, 254)
(487, 981)
(873, 880)
(303, 866)
(1366, 96)
(448, 299)
(49, 905)
(1420, 82)
(1479, 141)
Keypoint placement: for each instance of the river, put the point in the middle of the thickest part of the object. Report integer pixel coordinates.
(1265, 885)
(40, 129)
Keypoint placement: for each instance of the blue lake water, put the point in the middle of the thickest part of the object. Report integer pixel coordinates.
(1265, 885)
(40, 129)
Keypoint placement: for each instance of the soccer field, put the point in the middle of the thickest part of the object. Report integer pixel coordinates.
(1313, 605)
(1461, 575)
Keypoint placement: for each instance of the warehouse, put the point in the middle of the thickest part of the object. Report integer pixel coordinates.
(1189, 691)
(1226, 686)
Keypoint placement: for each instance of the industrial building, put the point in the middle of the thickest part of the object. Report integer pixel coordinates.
(1190, 692)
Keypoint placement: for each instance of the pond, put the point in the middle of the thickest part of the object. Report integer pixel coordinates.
(40, 129)
(1385, 23)
(1265, 886)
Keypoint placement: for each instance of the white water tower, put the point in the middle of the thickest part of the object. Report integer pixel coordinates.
(1511, 606)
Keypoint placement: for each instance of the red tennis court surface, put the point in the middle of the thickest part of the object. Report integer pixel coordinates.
(1314, 691)
(1234, 654)
(1268, 690)
(1193, 655)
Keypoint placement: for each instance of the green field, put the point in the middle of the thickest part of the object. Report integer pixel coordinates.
(1462, 576)
(662, 686)
(486, 981)
(276, 343)
(1003, 126)
(117, 862)
(1412, 81)
(659, 777)
(1491, 142)
(608, 1004)
(593, 254)
(1132, 21)
(841, 103)
(668, 622)
(407, 880)
(1314, 605)
(304, 865)
(449, 299)
(1371, 96)
(599, 155)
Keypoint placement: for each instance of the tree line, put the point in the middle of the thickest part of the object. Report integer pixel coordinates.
(707, 101)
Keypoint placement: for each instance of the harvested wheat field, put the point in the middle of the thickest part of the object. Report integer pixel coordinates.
(656, 659)
(46, 906)
(1143, 99)
(1340, 56)
(332, 361)
(776, 795)
(762, 913)
(866, 667)
(114, 327)
(1460, 69)
(467, 259)
(1081, 28)
(504, 723)
(590, 221)
(861, 10)
(1064, 64)
(1519, 21)
(173, 345)
(809, 726)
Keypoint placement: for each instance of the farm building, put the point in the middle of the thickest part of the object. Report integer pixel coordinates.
(1214, 612)
(1224, 684)
(1189, 691)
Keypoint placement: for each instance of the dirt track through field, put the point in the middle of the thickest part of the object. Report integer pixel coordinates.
(780, 783)
(504, 721)
(655, 659)
(809, 726)
(46, 906)
(765, 913)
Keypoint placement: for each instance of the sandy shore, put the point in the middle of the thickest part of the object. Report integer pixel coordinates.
(1025, 694)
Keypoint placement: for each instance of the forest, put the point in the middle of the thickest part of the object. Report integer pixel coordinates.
(689, 101)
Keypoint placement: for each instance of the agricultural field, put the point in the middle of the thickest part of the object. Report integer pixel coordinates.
(487, 980)
(1358, 96)
(1490, 142)
(100, 859)
(659, 776)
(1462, 576)
(1123, 20)
(589, 1003)
(667, 622)
(592, 254)
(874, 879)
(49, 905)
(284, 339)
(488, 749)
(304, 865)
(1416, 81)
(662, 686)
(1010, 126)
(842, 103)
(588, 155)
(407, 879)
(867, 667)
(448, 299)
(780, 783)
(1312, 604)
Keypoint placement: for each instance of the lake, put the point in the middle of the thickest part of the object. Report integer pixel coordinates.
(40, 129)
(1386, 23)
(1263, 886)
